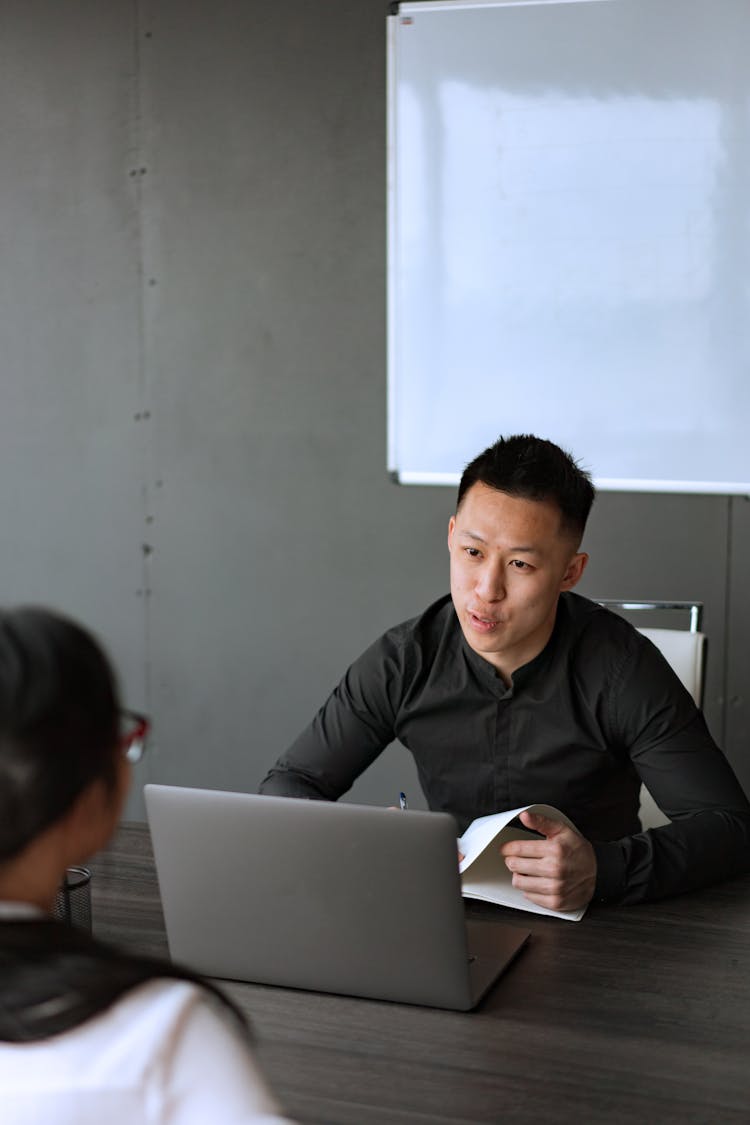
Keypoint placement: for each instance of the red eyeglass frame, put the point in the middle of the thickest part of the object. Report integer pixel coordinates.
(133, 744)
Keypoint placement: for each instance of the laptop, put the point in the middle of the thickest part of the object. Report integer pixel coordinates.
(350, 899)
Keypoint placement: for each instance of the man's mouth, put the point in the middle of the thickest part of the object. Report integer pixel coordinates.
(482, 624)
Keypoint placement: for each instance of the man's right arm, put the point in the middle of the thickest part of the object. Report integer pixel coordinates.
(351, 729)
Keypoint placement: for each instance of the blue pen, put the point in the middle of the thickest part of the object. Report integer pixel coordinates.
(402, 802)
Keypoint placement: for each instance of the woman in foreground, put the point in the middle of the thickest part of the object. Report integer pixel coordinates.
(89, 1035)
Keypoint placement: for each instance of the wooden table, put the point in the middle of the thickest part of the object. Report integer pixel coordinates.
(635, 1014)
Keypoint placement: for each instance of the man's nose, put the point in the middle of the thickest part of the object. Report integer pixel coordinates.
(491, 583)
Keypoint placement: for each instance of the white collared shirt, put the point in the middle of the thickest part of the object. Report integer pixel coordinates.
(162, 1054)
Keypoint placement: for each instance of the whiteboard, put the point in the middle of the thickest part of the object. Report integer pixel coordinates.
(569, 237)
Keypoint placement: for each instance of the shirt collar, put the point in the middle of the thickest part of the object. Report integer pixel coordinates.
(521, 675)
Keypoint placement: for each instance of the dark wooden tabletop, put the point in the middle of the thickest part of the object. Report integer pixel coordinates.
(635, 1014)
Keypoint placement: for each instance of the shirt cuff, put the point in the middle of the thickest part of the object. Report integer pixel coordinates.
(610, 872)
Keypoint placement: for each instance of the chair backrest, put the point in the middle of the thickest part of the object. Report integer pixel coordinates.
(685, 651)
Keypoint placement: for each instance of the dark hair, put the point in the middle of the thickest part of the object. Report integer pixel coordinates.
(533, 468)
(54, 977)
(59, 716)
(59, 723)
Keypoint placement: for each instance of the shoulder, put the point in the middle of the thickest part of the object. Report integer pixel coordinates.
(608, 654)
(202, 1065)
(420, 639)
(432, 622)
(586, 623)
(156, 1007)
(159, 1022)
(166, 1051)
(126, 1037)
(599, 644)
(425, 632)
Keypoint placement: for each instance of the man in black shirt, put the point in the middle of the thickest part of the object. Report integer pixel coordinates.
(516, 691)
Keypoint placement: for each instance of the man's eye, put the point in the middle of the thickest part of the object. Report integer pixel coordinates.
(519, 564)
(472, 552)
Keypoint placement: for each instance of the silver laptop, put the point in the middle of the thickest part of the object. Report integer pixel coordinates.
(328, 897)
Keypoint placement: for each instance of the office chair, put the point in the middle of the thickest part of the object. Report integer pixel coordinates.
(685, 651)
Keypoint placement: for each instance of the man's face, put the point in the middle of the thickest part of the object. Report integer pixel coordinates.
(509, 562)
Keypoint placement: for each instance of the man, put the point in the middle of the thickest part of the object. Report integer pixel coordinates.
(516, 691)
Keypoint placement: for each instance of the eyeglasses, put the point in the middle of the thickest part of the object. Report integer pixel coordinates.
(134, 730)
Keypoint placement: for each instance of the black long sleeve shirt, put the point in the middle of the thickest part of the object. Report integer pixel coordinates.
(596, 713)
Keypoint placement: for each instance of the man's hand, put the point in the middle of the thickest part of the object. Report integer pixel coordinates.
(559, 872)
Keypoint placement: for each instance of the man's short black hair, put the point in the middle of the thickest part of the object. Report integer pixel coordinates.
(533, 468)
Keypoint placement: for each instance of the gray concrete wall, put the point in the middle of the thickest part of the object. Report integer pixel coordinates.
(71, 377)
(192, 433)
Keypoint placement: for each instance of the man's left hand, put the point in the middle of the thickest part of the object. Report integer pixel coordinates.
(559, 872)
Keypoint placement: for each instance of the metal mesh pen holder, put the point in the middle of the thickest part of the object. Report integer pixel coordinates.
(73, 898)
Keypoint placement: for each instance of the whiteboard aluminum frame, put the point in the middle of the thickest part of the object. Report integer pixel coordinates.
(605, 484)
(439, 479)
(409, 7)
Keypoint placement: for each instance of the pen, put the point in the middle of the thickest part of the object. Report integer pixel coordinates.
(402, 802)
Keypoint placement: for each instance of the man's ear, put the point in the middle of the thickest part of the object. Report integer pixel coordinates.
(574, 571)
(451, 529)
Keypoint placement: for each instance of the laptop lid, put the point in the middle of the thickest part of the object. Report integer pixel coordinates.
(329, 897)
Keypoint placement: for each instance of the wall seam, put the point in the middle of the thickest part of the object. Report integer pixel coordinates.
(725, 682)
(143, 415)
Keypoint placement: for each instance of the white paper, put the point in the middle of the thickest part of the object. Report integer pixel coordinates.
(483, 872)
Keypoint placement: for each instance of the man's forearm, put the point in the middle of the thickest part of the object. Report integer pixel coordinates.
(687, 854)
